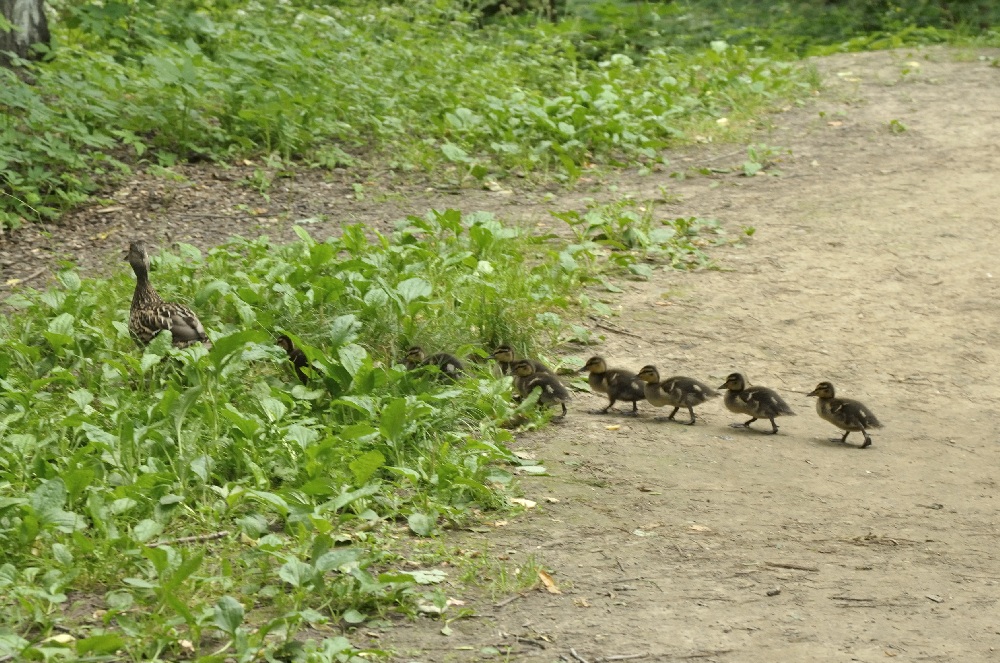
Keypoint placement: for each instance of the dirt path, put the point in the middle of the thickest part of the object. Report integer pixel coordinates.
(874, 265)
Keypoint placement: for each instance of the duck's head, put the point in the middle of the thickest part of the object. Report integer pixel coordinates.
(523, 368)
(137, 255)
(649, 374)
(504, 353)
(595, 365)
(284, 343)
(823, 390)
(735, 382)
(415, 354)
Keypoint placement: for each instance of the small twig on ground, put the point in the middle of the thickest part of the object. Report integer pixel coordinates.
(577, 656)
(38, 272)
(620, 657)
(619, 561)
(707, 654)
(508, 600)
(849, 598)
(612, 328)
(191, 539)
(794, 567)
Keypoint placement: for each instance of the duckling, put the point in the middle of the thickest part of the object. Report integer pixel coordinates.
(505, 358)
(526, 380)
(676, 391)
(150, 315)
(758, 402)
(295, 355)
(844, 413)
(617, 383)
(448, 364)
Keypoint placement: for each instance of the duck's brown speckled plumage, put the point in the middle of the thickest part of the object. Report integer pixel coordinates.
(149, 314)
(846, 414)
(449, 365)
(676, 391)
(526, 380)
(617, 383)
(295, 356)
(758, 402)
(505, 358)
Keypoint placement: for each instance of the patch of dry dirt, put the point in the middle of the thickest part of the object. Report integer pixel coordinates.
(873, 266)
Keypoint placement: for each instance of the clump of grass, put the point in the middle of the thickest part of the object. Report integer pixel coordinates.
(629, 237)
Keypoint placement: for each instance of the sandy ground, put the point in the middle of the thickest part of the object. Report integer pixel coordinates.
(874, 265)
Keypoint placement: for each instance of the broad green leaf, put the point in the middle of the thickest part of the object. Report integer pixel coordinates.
(414, 288)
(228, 614)
(352, 616)
(364, 466)
(146, 530)
(345, 498)
(454, 153)
(352, 357)
(392, 423)
(428, 576)
(341, 559)
(296, 573)
(100, 645)
(301, 435)
(421, 524)
(62, 324)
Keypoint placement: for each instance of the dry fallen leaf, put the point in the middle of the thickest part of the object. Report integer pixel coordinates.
(527, 504)
(186, 644)
(835, 123)
(613, 427)
(550, 584)
(552, 500)
(700, 528)
(581, 602)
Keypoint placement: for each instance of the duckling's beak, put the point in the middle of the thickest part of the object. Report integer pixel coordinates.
(723, 385)
(814, 392)
(583, 370)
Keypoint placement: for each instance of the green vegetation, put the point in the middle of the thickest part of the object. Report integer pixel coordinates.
(788, 29)
(415, 86)
(109, 451)
(294, 493)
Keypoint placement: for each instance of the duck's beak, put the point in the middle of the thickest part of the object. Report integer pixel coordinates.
(813, 392)
(583, 370)
(723, 385)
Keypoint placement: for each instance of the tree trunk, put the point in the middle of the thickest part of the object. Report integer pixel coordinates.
(30, 27)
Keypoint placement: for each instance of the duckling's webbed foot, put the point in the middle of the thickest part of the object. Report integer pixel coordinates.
(671, 417)
(868, 439)
(691, 411)
(743, 425)
(635, 409)
(774, 427)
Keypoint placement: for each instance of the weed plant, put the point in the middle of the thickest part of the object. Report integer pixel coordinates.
(417, 86)
(113, 454)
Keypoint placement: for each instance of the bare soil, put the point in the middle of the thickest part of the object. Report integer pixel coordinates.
(874, 265)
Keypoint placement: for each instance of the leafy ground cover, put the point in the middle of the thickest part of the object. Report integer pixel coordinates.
(779, 29)
(413, 86)
(193, 503)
